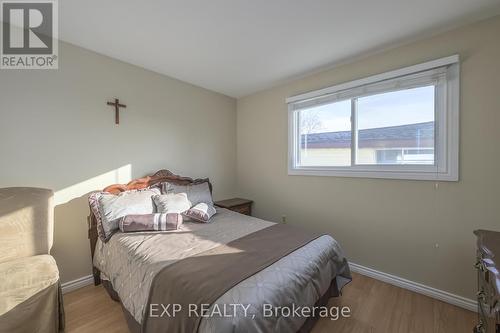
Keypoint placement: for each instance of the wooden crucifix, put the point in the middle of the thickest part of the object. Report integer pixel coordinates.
(117, 106)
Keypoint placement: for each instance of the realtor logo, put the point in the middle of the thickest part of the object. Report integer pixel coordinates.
(29, 35)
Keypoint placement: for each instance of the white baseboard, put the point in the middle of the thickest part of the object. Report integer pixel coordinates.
(416, 287)
(77, 284)
(370, 272)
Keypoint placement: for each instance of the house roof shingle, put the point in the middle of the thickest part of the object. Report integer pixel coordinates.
(407, 136)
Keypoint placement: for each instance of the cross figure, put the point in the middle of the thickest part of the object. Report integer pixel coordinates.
(117, 106)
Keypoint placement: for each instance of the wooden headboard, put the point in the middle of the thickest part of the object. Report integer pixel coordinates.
(136, 184)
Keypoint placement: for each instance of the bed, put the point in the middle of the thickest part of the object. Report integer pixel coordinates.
(132, 265)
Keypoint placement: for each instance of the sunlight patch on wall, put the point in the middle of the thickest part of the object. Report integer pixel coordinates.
(121, 175)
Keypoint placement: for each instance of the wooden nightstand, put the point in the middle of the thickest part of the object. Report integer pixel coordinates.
(242, 206)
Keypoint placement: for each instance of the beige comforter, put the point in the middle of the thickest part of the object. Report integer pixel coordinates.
(130, 261)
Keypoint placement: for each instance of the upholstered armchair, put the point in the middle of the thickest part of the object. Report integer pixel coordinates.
(30, 292)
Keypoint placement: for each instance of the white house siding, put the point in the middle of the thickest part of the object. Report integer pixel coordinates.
(334, 156)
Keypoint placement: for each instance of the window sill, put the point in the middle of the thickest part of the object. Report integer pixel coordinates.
(412, 175)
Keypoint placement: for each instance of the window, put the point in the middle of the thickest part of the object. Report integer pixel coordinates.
(401, 124)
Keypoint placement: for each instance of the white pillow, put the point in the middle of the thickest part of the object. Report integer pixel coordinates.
(196, 193)
(171, 203)
(202, 212)
(113, 207)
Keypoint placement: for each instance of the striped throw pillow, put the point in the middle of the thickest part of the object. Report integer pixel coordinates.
(151, 222)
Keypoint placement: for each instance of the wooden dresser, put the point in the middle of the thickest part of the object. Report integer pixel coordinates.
(488, 280)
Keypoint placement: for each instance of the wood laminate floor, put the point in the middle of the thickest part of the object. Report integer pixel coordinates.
(376, 307)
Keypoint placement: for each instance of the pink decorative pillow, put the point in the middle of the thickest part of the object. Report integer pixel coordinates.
(150, 222)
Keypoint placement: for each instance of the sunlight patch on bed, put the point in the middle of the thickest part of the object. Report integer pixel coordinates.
(227, 250)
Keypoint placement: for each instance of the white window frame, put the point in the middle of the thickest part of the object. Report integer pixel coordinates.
(444, 72)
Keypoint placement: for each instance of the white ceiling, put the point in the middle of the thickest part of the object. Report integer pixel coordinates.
(237, 47)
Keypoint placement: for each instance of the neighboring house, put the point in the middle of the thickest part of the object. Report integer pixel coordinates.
(405, 144)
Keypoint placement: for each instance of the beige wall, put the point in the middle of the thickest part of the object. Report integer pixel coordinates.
(56, 132)
(389, 225)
